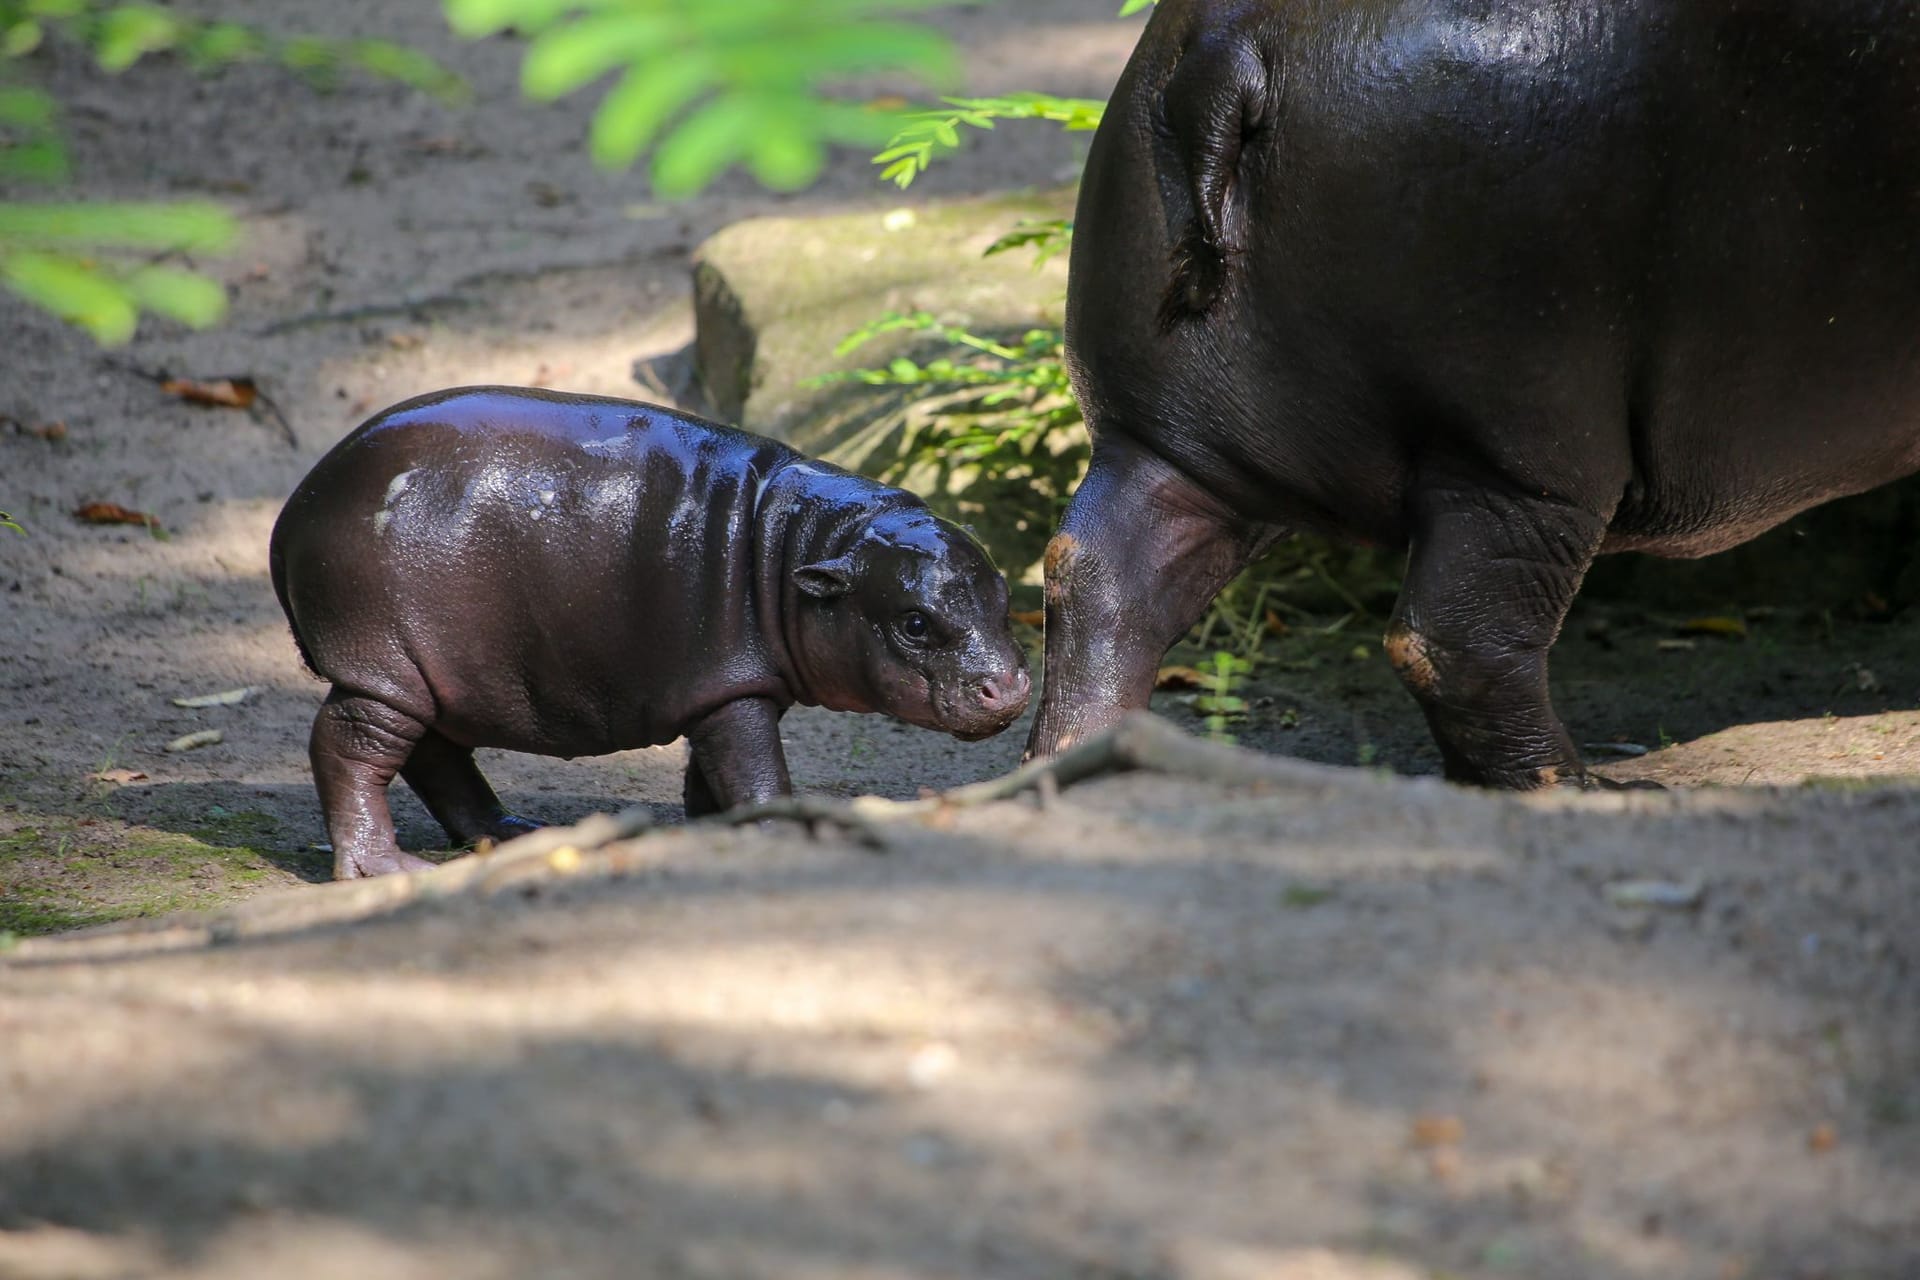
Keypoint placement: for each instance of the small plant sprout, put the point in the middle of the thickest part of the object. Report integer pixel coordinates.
(926, 134)
(1001, 409)
(1219, 704)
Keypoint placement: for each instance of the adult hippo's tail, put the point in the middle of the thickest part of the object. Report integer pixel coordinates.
(1143, 547)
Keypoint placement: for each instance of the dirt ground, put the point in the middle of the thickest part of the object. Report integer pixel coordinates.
(1373, 1029)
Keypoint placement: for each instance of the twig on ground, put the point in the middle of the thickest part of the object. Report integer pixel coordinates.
(815, 812)
(1141, 741)
(369, 311)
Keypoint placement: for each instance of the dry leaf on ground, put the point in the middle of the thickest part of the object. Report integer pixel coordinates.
(1437, 1131)
(204, 738)
(113, 513)
(221, 393)
(225, 698)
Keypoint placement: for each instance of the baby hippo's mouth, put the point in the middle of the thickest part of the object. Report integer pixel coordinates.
(985, 705)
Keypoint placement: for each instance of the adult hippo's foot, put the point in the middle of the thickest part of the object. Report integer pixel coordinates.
(1140, 553)
(1489, 581)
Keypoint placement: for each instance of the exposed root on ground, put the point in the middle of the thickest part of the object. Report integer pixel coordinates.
(1140, 742)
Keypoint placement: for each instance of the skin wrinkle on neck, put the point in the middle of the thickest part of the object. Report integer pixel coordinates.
(793, 516)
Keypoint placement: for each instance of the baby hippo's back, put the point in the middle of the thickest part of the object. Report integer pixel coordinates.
(568, 575)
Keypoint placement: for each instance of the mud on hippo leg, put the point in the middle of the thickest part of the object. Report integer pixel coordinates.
(450, 784)
(358, 744)
(734, 757)
(1489, 582)
(1141, 552)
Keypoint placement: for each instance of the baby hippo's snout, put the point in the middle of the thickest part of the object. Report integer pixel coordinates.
(996, 700)
(1006, 694)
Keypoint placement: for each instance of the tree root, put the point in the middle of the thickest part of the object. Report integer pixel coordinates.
(1139, 742)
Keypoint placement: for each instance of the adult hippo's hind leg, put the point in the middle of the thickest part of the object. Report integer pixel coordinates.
(1141, 552)
(1488, 584)
(358, 744)
(442, 773)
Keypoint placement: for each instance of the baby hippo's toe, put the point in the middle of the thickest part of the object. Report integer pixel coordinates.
(509, 826)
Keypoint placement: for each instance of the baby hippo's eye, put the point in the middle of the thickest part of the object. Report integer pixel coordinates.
(913, 625)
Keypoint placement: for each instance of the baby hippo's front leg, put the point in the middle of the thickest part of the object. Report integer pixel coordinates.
(734, 758)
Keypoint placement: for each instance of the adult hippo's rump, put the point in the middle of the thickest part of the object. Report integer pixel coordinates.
(572, 575)
(1510, 284)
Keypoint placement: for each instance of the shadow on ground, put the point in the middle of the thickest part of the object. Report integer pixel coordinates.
(1382, 1029)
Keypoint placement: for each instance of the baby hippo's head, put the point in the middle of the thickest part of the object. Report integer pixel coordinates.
(912, 622)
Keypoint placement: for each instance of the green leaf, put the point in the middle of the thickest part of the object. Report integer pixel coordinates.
(1132, 7)
(224, 42)
(713, 138)
(73, 290)
(26, 108)
(569, 57)
(476, 18)
(310, 54)
(20, 39)
(872, 46)
(184, 227)
(42, 161)
(926, 130)
(186, 296)
(1047, 239)
(131, 32)
(408, 66)
(633, 113)
(786, 156)
(6, 522)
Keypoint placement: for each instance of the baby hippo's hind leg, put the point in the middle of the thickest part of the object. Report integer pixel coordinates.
(358, 744)
(442, 773)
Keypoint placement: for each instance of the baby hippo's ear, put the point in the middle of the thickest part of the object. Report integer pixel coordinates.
(825, 580)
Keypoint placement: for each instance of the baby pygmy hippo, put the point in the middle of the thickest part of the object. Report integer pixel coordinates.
(573, 575)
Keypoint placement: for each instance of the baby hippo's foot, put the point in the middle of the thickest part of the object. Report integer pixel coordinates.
(508, 826)
(360, 864)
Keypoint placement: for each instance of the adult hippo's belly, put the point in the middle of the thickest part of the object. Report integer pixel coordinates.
(1509, 284)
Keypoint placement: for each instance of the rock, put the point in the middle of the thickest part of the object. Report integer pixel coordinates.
(774, 296)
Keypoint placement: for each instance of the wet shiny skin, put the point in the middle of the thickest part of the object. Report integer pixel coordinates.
(1511, 284)
(572, 575)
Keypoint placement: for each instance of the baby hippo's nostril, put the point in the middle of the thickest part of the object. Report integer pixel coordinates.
(1005, 691)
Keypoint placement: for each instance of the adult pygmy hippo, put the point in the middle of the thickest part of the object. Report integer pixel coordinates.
(1509, 283)
(573, 575)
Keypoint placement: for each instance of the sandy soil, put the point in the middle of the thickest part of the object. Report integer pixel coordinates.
(1327, 1026)
(1168, 1031)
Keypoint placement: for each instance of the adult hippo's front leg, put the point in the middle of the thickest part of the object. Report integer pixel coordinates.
(1489, 581)
(1141, 552)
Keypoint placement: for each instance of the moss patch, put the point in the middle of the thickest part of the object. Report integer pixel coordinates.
(63, 872)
